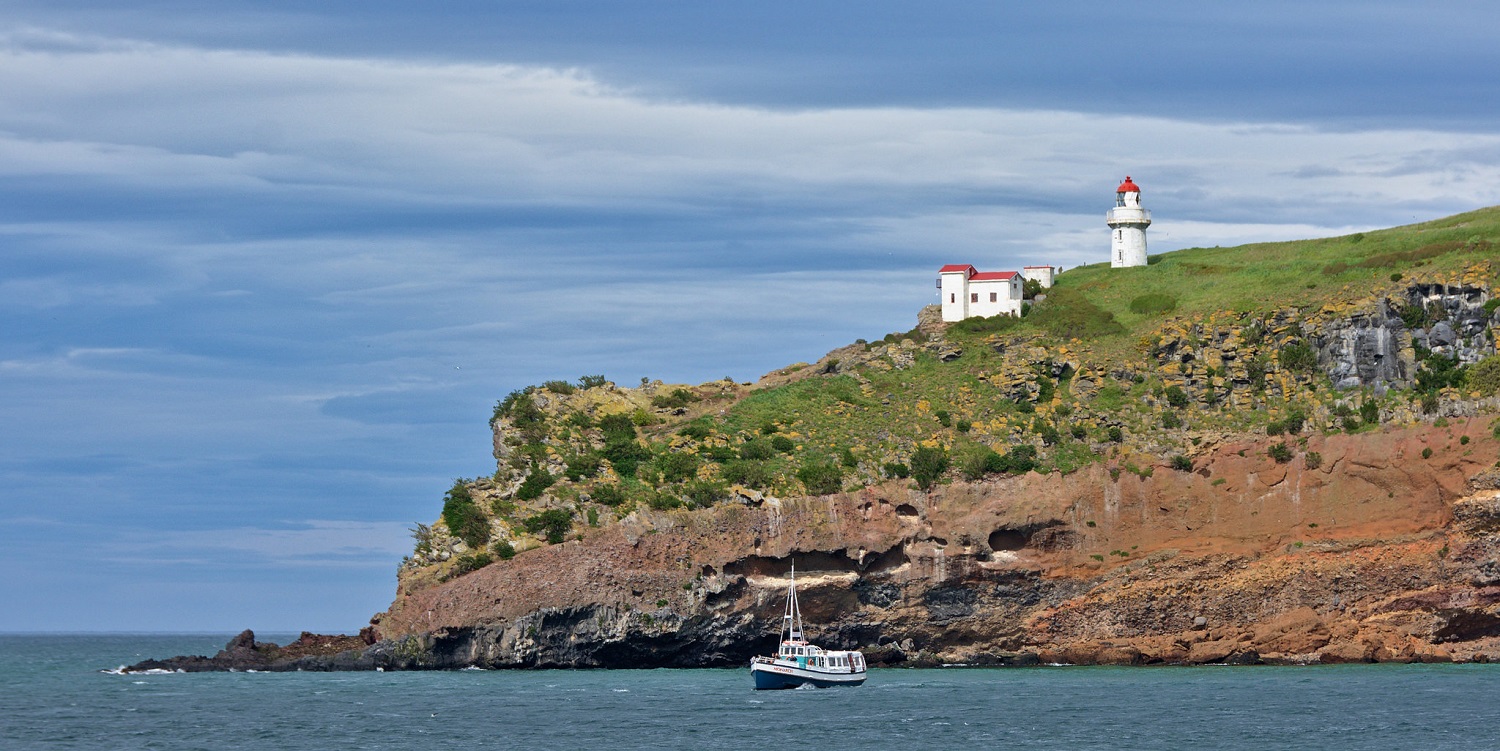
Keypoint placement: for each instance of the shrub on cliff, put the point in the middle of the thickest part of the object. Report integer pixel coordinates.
(1182, 463)
(783, 444)
(747, 472)
(535, 484)
(704, 493)
(1298, 357)
(677, 399)
(608, 495)
(676, 466)
(1484, 376)
(1176, 397)
(1280, 452)
(1437, 372)
(1019, 460)
(624, 453)
(559, 387)
(927, 465)
(821, 478)
(504, 550)
(757, 449)
(553, 523)
(979, 461)
(895, 470)
(586, 464)
(472, 562)
(591, 382)
(464, 519)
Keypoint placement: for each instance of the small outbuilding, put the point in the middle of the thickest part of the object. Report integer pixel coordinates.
(968, 292)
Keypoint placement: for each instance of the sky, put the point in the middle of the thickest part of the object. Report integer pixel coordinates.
(265, 267)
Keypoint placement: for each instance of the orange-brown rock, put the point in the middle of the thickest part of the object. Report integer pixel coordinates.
(1376, 554)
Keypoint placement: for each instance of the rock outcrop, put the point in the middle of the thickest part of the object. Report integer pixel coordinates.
(1374, 554)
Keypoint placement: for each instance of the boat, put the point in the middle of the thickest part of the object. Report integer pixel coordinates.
(798, 663)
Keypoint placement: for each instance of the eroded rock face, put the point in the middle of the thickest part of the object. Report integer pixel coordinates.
(1376, 554)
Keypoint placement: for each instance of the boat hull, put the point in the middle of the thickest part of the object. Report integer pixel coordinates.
(772, 676)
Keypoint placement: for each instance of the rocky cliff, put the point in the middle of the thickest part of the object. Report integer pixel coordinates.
(1376, 553)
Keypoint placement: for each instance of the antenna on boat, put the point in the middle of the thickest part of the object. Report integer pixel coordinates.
(792, 621)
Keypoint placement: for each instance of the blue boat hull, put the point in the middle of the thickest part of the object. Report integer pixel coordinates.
(770, 680)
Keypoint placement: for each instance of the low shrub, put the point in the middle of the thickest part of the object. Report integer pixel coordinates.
(608, 495)
(591, 381)
(580, 466)
(676, 466)
(704, 493)
(1298, 357)
(553, 524)
(756, 449)
(1068, 314)
(1280, 452)
(559, 387)
(1182, 463)
(1312, 460)
(821, 478)
(1176, 397)
(927, 465)
(1153, 303)
(1484, 376)
(504, 550)
(678, 398)
(748, 472)
(535, 484)
(463, 518)
(783, 444)
(895, 470)
(472, 562)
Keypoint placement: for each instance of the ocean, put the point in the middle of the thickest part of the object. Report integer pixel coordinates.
(53, 695)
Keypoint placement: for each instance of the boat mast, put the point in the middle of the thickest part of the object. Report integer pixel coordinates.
(792, 621)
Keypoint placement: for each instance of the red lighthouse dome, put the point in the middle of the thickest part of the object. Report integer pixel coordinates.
(1128, 186)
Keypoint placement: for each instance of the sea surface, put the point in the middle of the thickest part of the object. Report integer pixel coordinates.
(54, 695)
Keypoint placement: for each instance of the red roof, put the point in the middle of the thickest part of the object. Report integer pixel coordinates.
(1128, 186)
(954, 268)
(987, 276)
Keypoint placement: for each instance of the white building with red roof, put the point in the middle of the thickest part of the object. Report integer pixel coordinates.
(968, 292)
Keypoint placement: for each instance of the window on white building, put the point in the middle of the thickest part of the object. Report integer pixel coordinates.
(994, 297)
(952, 297)
(973, 297)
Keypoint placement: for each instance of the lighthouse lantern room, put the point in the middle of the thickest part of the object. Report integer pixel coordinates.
(1127, 223)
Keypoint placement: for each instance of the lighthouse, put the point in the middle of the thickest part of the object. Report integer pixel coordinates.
(1127, 223)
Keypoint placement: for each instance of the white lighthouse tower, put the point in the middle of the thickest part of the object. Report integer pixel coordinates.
(1128, 223)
